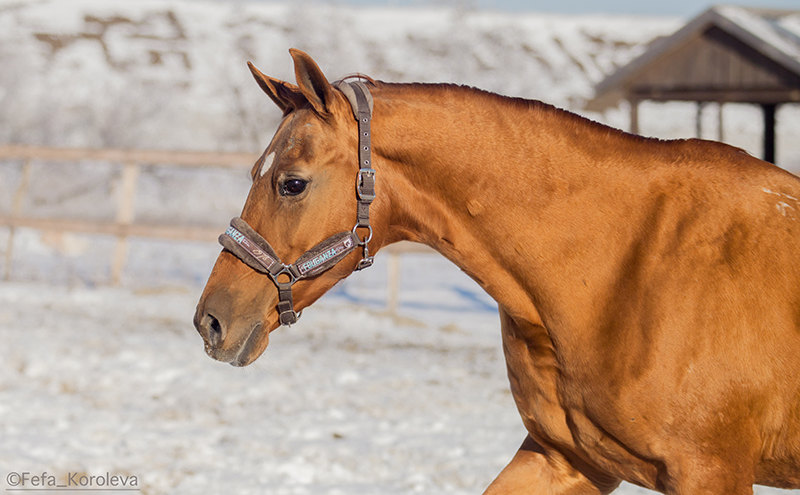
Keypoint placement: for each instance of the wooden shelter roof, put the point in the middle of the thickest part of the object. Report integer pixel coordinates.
(725, 54)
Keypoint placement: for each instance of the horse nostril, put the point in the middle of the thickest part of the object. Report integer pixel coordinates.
(212, 330)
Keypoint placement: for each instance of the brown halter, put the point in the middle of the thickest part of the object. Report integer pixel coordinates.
(250, 247)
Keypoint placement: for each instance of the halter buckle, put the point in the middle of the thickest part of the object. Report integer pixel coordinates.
(366, 184)
(286, 313)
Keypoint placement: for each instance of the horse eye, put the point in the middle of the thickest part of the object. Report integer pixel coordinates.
(293, 187)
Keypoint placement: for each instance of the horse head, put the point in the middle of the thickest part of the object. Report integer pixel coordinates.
(304, 225)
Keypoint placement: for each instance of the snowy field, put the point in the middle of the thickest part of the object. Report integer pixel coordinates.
(351, 400)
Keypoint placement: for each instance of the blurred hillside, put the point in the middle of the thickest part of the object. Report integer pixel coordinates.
(171, 74)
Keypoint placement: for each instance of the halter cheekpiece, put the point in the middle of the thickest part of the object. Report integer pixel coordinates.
(248, 245)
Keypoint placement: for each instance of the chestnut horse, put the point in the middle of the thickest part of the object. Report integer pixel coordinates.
(649, 291)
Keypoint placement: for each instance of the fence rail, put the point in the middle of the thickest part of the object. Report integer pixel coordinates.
(124, 224)
(141, 157)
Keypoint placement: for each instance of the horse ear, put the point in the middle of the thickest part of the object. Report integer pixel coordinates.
(287, 96)
(312, 82)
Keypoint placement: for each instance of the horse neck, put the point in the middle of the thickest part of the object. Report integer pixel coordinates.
(493, 184)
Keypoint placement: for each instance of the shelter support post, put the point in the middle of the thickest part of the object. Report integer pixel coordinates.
(634, 116)
(698, 120)
(769, 131)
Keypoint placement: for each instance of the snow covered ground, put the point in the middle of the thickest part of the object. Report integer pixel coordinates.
(349, 401)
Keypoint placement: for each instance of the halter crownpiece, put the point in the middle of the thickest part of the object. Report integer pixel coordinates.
(361, 102)
(257, 253)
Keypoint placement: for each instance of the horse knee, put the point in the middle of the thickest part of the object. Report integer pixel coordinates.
(533, 470)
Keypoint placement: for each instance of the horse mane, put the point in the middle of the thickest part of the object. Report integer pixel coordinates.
(519, 104)
(670, 149)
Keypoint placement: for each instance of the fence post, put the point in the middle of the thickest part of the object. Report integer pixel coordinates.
(125, 213)
(16, 210)
(393, 283)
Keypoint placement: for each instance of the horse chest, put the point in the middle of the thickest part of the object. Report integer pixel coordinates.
(552, 413)
(533, 375)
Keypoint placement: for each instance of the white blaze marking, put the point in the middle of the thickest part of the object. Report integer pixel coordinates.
(267, 163)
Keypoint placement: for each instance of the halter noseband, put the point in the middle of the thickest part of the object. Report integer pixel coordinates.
(246, 244)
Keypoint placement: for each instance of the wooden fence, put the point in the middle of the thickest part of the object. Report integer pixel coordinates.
(124, 225)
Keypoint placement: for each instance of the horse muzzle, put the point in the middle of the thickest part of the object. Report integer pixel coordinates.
(237, 343)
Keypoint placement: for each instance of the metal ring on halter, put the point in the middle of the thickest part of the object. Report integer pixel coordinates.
(363, 242)
(285, 270)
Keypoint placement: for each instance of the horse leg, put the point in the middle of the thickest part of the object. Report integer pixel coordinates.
(533, 470)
